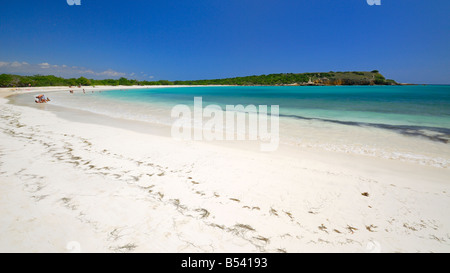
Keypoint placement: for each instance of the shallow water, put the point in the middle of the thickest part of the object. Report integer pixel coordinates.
(396, 122)
(396, 105)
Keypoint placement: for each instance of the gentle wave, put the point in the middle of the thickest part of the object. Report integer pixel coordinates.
(432, 133)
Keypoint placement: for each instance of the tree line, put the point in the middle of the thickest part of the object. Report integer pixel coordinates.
(328, 78)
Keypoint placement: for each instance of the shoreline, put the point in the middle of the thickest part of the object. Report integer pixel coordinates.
(418, 144)
(112, 189)
(8, 91)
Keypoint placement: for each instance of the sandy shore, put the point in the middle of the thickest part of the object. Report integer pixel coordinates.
(68, 185)
(4, 92)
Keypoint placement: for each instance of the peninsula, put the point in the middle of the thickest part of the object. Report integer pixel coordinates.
(317, 78)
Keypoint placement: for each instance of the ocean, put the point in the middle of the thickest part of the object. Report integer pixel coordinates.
(390, 121)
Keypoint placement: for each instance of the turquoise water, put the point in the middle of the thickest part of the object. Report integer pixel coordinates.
(366, 120)
(400, 106)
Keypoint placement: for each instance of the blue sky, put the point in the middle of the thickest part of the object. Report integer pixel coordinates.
(407, 40)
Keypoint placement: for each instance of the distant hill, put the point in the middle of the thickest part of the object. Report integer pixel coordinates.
(317, 79)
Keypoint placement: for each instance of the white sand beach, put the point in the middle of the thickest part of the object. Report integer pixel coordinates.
(68, 185)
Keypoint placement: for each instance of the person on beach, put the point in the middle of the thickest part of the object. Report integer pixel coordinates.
(41, 99)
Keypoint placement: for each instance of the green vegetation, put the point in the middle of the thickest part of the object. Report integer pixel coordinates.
(327, 78)
(379, 79)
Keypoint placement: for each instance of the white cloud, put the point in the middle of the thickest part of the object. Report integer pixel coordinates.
(111, 73)
(44, 65)
(45, 68)
(16, 64)
(87, 72)
(13, 64)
